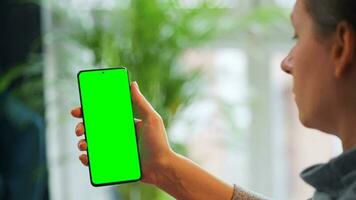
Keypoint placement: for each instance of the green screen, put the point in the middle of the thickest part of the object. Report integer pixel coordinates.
(109, 126)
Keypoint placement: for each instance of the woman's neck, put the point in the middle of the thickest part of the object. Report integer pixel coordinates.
(347, 130)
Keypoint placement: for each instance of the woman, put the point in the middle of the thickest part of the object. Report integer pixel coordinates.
(323, 66)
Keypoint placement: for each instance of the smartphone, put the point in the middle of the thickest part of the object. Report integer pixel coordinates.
(112, 145)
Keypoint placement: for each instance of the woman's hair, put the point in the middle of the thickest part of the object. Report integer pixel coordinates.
(328, 13)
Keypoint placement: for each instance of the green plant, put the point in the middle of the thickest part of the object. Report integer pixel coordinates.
(25, 81)
(148, 37)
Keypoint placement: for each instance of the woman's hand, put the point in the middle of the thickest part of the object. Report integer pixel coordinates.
(153, 143)
(171, 172)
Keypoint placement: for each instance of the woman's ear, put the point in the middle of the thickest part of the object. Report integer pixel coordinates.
(343, 48)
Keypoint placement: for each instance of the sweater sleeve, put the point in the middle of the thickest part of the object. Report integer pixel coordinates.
(242, 194)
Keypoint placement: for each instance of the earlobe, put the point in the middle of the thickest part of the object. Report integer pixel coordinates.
(344, 48)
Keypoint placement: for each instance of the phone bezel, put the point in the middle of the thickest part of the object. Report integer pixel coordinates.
(137, 144)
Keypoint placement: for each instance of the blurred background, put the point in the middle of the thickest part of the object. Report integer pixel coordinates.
(211, 68)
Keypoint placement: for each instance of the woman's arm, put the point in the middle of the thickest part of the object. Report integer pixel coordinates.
(184, 179)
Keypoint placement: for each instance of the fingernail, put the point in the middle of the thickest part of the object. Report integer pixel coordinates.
(76, 129)
(136, 85)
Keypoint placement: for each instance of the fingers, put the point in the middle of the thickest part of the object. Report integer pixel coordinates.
(82, 145)
(77, 112)
(140, 102)
(79, 129)
(84, 159)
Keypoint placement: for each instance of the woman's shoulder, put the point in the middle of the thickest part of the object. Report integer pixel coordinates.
(335, 179)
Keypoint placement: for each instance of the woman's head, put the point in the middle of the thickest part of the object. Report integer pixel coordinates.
(322, 61)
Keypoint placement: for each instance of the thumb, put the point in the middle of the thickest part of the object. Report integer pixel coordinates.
(140, 102)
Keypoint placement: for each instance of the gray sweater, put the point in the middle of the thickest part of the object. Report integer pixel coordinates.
(333, 180)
